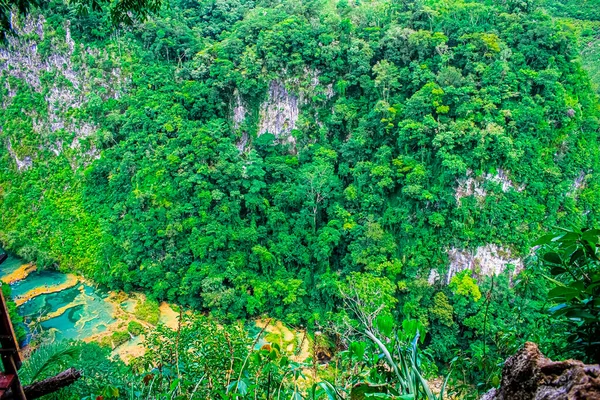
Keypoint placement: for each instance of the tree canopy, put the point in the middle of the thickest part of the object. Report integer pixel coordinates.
(265, 157)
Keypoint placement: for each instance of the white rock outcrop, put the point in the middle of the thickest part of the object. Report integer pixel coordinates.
(434, 276)
(474, 186)
(68, 89)
(485, 260)
(578, 183)
(279, 113)
(239, 110)
(22, 164)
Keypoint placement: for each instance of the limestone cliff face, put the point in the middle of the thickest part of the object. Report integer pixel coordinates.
(41, 61)
(475, 186)
(482, 261)
(279, 113)
(485, 260)
(281, 109)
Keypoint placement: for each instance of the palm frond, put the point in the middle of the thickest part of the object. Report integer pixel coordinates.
(47, 359)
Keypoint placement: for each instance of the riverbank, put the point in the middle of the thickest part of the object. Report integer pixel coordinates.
(67, 306)
(71, 281)
(19, 274)
(124, 307)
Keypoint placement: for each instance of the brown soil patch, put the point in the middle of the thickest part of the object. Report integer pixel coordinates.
(168, 316)
(131, 349)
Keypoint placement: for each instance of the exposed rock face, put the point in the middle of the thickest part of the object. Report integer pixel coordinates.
(278, 115)
(239, 110)
(243, 142)
(474, 186)
(487, 260)
(69, 89)
(528, 375)
(23, 164)
(280, 111)
(434, 276)
(579, 183)
(239, 115)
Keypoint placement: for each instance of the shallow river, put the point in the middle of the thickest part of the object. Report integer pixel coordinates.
(77, 312)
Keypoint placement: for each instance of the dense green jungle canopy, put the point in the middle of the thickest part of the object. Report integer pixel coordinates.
(250, 157)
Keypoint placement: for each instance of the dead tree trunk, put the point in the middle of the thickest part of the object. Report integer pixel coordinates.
(49, 385)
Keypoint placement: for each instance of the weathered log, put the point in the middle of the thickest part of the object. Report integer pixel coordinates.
(49, 385)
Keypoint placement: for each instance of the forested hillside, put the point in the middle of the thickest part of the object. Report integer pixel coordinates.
(584, 18)
(254, 157)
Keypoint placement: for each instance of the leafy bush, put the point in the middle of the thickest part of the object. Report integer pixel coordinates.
(115, 339)
(148, 310)
(15, 317)
(573, 261)
(135, 328)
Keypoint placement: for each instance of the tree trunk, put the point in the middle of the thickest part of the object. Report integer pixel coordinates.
(49, 385)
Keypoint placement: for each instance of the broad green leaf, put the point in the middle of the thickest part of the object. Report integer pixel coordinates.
(567, 237)
(592, 236)
(543, 240)
(296, 396)
(358, 349)
(557, 307)
(553, 258)
(563, 292)
(364, 391)
(495, 380)
(327, 388)
(576, 255)
(173, 384)
(241, 387)
(385, 324)
(580, 314)
(557, 270)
